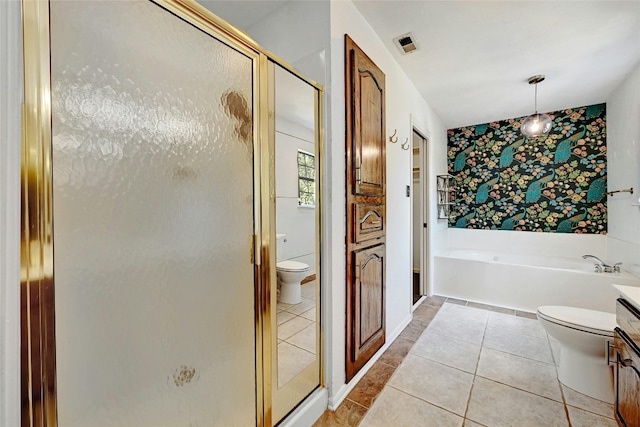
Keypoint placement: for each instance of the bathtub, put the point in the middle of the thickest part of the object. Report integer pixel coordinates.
(525, 282)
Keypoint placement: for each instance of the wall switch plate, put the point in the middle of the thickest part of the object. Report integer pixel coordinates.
(408, 191)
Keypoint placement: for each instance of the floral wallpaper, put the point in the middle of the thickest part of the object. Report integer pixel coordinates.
(556, 183)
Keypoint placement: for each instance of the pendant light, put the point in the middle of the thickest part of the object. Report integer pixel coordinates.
(536, 124)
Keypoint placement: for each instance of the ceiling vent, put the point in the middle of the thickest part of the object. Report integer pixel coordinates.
(406, 43)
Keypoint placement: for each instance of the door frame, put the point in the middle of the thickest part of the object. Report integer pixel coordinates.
(425, 236)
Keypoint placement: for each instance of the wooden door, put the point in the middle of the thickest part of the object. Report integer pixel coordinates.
(366, 207)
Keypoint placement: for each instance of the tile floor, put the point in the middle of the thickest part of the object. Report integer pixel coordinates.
(296, 334)
(467, 364)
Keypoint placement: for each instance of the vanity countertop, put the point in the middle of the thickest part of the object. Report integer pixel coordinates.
(630, 293)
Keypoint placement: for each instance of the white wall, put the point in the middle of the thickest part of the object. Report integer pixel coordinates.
(298, 223)
(623, 167)
(10, 100)
(404, 108)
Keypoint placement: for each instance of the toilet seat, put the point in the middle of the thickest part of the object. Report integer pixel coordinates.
(291, 266)
(582, 319)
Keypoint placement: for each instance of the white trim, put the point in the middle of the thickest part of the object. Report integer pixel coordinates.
(309, 410)
(339, 395)
(426, 262)
(11, 96)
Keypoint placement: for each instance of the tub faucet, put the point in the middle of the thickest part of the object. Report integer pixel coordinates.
(601, 266)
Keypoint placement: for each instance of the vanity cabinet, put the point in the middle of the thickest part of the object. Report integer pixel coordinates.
(627, 366)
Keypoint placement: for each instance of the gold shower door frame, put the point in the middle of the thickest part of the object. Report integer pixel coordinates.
(37, 290)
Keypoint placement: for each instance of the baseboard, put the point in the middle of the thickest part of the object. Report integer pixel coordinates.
(308, 279)
(309, 411)
(338, 397)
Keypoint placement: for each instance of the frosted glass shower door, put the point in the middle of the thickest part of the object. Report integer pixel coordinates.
(153, 204)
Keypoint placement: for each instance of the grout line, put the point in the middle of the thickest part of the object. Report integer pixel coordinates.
(427, 402)
(475, 372)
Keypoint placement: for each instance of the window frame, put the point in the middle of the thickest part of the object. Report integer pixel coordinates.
(303, 178)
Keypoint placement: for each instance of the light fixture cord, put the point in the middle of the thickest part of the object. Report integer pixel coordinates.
(536, 98)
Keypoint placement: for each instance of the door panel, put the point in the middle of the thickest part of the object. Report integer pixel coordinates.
(369, 297)
(153, 219)
(369, 221)
(368, 136)
(366, 207)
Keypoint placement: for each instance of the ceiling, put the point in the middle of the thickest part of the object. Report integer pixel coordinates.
(475, 57)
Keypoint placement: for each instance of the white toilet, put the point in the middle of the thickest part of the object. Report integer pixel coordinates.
(290, 274)
(583, 336)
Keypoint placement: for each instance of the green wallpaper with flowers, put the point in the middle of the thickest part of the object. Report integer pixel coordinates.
(556, 183)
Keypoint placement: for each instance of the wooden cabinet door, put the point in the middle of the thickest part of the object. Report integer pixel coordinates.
(627, 380)
(367, 123)
(366, 207)
(367, 297)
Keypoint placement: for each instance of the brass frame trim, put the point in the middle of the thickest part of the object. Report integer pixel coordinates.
(38, 379)
(37, 323)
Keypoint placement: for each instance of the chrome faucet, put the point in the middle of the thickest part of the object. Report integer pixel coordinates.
(601, 266)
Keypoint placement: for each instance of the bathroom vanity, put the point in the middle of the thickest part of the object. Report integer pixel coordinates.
(627, 357)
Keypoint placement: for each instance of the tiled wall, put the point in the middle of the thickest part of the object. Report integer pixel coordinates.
(556, 183)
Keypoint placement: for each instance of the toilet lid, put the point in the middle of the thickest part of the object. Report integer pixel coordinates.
(596, 322)
(292, 266)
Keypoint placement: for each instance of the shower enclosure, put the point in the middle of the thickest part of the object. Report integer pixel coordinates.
(148, 239)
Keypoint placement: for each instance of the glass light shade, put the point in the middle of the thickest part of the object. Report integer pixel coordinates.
(536, 125)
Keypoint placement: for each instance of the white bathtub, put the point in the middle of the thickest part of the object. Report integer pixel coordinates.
(526, 282)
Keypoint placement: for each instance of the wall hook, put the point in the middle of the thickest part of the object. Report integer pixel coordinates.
(405, 144)
(611, 193)
(393, 138)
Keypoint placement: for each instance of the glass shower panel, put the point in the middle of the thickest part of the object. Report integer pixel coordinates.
(153, 219)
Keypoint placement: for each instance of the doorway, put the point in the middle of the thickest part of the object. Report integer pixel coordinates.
(418, 216)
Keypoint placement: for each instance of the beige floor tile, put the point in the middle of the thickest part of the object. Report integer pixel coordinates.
(498, 405)
(518, 344)
(397, 409)
(463, 313)
(282, 306)
(462, 330)
(310, 314)
(284, 316)
(305, 339)
(580, 418)
(291, 361)
(438, 384)
(448, 351)
(292, 327)
(304, 305)
(579, 400)
(469, 423)
(530, 375)
(518, 325)
(456, 301)
(309, 290)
